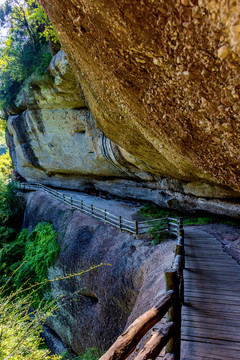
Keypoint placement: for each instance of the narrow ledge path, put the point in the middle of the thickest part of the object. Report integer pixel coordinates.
(211, 312)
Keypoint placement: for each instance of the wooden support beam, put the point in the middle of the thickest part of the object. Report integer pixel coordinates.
(156, 342)
(174, 313)
(169, 356)
(127, 342)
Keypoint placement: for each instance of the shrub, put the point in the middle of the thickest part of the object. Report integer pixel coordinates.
(36, 251)
(11, 212)
(20, 328)
(90, 354)
(153, 211)
(6, 165)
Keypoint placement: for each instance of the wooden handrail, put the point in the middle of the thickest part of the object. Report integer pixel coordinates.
(174, 281)
(127, 342)
(157, 341)
(134, 227)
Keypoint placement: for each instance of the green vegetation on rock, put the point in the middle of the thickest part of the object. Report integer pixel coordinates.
(11, 212)
(32, 254)
(21, 327)
(153, 211)
(25, 49)
(90, 354)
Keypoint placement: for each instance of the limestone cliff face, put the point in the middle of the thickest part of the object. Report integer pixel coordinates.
(161, 79)
(54, 139)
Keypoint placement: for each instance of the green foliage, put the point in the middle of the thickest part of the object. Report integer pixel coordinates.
(11, 212)
(6, 165)
(90, 354)
(20, 328)
(36, 251)
(159, 233)
(24, 50)
(152, 211)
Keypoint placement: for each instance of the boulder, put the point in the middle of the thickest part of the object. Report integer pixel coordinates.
(161, 80)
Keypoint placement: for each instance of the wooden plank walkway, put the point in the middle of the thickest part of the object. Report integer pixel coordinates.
(211, 313)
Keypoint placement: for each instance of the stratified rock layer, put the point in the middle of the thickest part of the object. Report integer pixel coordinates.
(54, 139)
(161, 80)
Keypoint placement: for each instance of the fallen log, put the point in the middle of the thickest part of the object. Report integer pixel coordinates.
(127, 342)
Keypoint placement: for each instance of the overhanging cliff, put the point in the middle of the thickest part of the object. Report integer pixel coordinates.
(161, 80)
(54, 139)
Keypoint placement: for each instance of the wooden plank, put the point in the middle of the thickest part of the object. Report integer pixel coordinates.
(211, 333)
(211, 324)
(225, 344)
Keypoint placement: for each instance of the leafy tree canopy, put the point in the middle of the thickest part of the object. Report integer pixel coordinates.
(24, 49)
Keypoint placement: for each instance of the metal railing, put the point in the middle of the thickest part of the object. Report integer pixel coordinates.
(134, 227)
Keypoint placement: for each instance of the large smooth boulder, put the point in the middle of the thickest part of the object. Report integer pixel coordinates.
(161, 80)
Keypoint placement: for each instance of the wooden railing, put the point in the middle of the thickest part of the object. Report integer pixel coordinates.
(170, 334)
(134, 227)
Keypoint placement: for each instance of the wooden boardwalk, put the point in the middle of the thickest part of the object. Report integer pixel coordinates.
(211, 313)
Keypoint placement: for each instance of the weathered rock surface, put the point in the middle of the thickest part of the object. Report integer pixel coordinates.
(161, 80)
(96, 306)
(63, 147)
(57, 89)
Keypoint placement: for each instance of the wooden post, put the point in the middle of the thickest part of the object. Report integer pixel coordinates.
(174, 313)
(105, 216)
(92, 209)
(179, 253)
(81, 205)
(179, 250)
(136, 227)
(120, 223)
(63, 197)
(168, 225)
(71, 202)
(180, 230)
(57, 193)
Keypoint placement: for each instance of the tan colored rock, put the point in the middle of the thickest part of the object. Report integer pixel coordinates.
(223, 52)
(53, 143)
(152, 109)
(56, 90)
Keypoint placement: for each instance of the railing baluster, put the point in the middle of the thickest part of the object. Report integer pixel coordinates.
(136, 227)
(120, 223)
